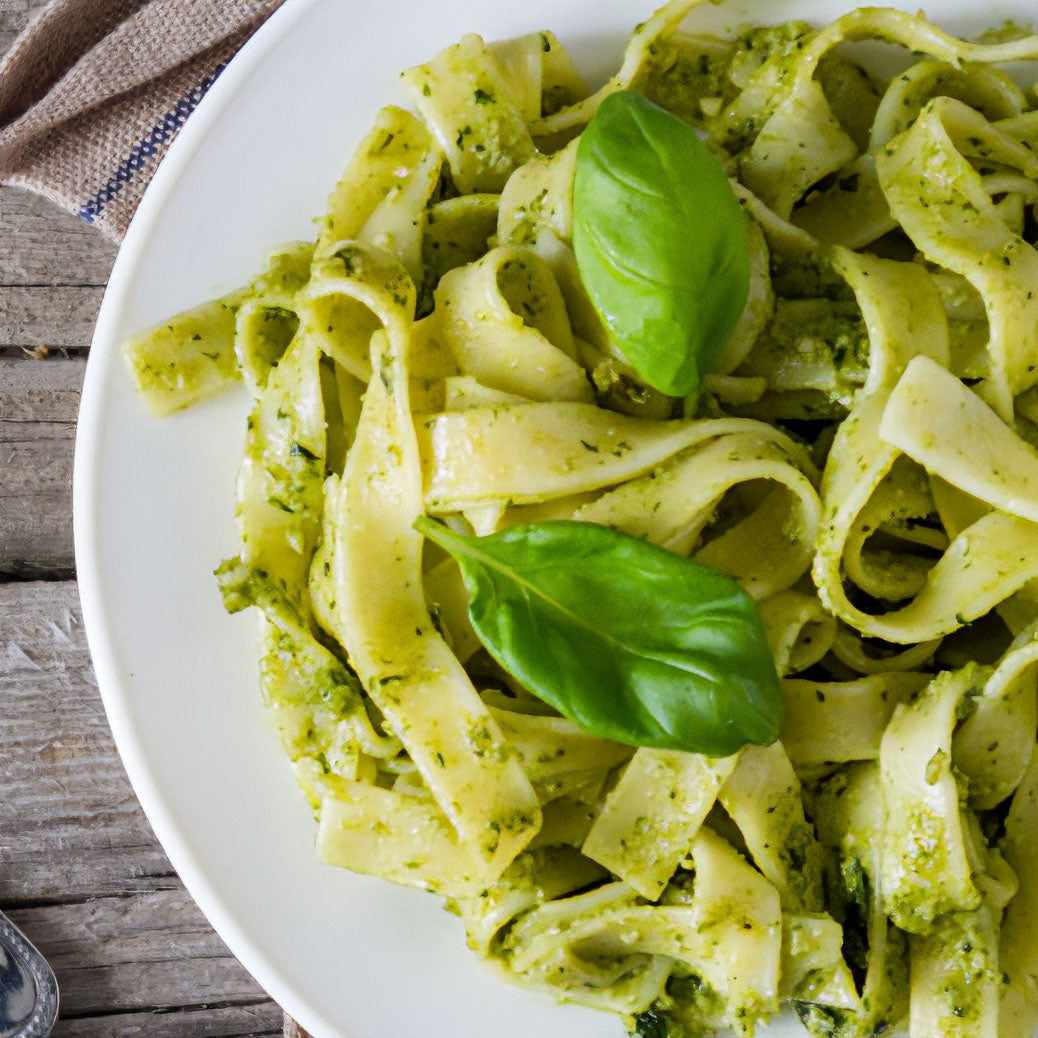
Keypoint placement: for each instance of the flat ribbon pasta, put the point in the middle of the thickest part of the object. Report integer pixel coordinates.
(925, 416)
(268, 316)
(380, 198)
(925, 870)
(652, 815)
(416, 681)
(997, 544)
(672, 505)
(505, 322)
(925, 179)
(569, 448)
(466, 97)
(1017, 952)
(435, 351)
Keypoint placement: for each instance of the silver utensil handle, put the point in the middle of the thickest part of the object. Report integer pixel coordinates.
(28, 988)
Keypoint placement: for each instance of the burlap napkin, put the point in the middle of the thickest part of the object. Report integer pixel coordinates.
(92, 93)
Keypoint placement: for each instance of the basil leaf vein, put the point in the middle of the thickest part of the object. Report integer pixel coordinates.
(629, 641)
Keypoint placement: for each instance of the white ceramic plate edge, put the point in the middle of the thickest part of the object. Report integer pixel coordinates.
(96, 624)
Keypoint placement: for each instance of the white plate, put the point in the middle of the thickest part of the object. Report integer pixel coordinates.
(344, 954)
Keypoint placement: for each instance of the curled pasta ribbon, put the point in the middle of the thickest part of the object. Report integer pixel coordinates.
(505, 322)
(1017, 950)
(763, 797)
(468, 456)
(941, 202)
(767, 550)
(852, 212)
(783, 106)
(571, 119)
(402, 661)
(982, 567)
(850, 815)
(538, 875)
(187, 358)
(779, 233)
(539, 195)
(801, 142)
(925, 866)
(903, 314)
(813, 969)
(760, 304)
(992, 747)
(381, 832)
(380, 198)
(849, 648)
(537, 211)
(834, 722)
(571, 970)
(467, 98)
(280, 479)
(987, 89)
(457, 231)
(736, 948)
(317, 709)
(335, 306)
(268, 316)
(924, 418)
(540, 74)
(652, 815)
(559, 757)
(800, 632)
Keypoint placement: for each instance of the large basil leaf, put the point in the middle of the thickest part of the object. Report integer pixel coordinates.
(660, 241)
(629, 641)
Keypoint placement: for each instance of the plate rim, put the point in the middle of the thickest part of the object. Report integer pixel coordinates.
(185, 859)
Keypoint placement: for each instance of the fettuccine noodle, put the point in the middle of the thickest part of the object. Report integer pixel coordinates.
(861, 459)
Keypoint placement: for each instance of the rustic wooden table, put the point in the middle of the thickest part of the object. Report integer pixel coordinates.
(80, 871)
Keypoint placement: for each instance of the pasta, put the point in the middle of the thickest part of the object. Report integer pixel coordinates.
(860, 457)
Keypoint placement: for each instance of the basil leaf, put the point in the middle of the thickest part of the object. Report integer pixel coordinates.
(629, 641)
(660, 241)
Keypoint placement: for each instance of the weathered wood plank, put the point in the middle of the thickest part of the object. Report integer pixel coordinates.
(238, 1021)
(40, 390)
(55, 317)
(71, 826)
(82, 873)
(39, 401)
(44, 245)
(143, 952)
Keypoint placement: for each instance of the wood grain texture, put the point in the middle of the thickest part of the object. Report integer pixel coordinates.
(39, 401)
(206, 1021)
(71, 827)
(43, 245)
(53, 270)
(134, 954)
(81, 872)
(51, 318)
